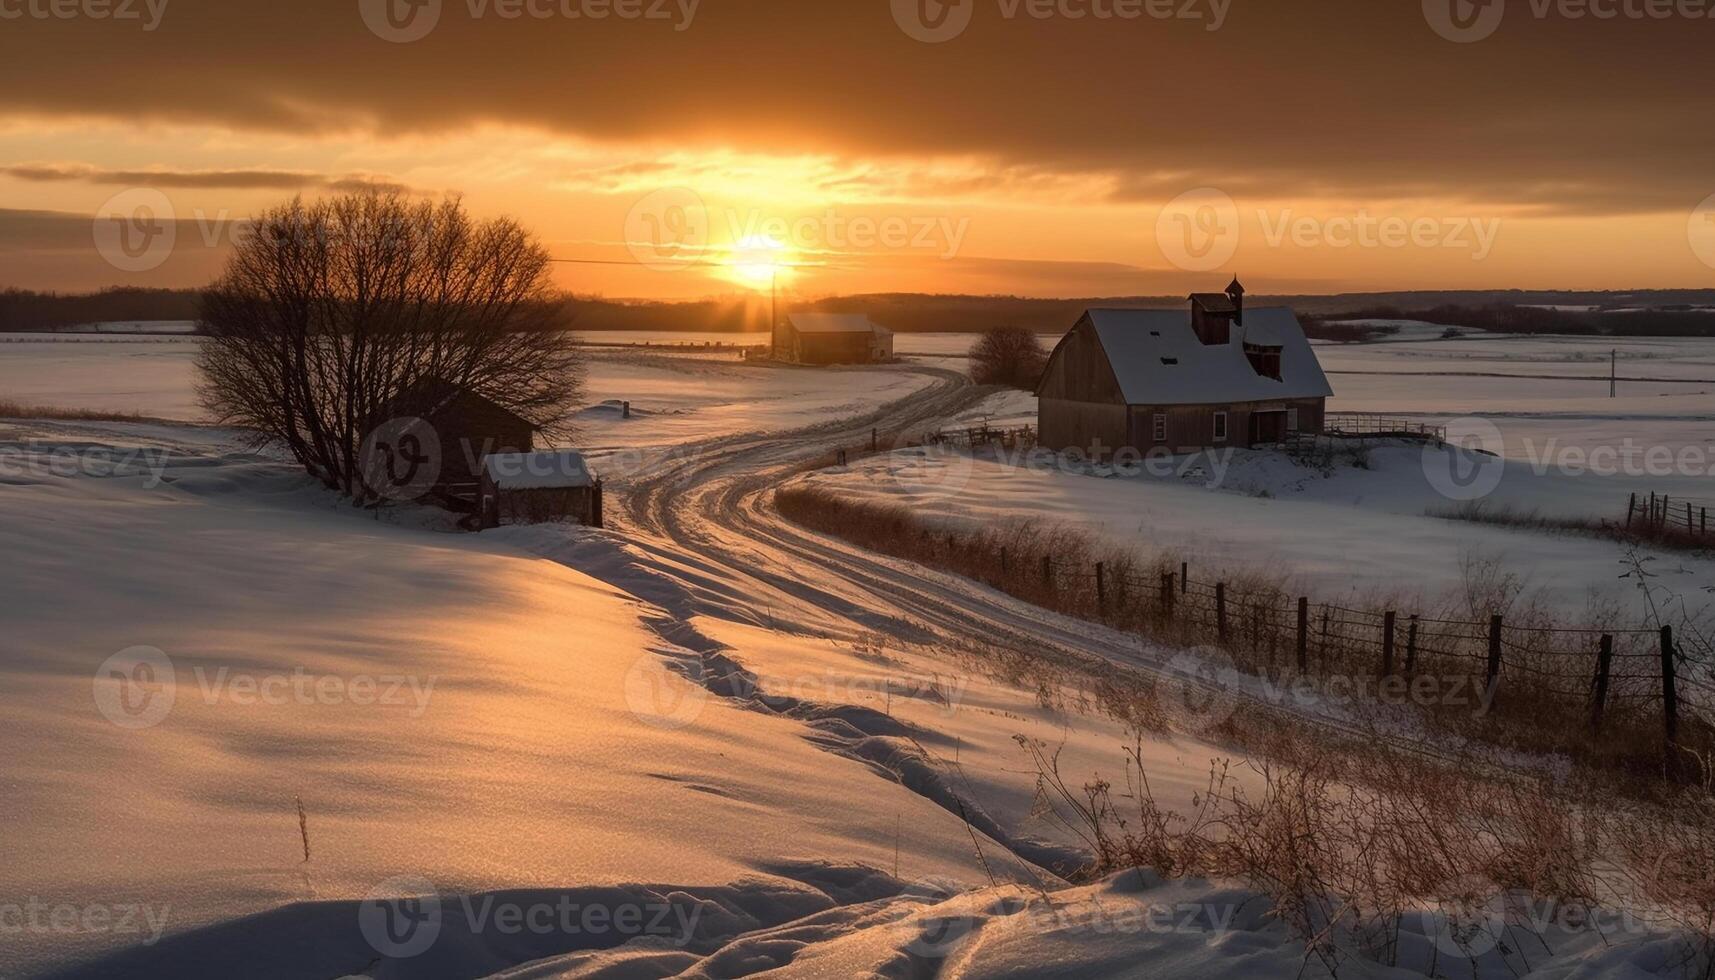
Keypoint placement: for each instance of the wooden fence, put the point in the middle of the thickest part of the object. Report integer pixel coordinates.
(1609, 676)
(1661, 513)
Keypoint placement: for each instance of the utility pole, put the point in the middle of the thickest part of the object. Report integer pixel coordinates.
(1614, 373)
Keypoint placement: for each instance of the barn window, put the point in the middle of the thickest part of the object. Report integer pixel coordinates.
(1170, 361)
(1220, 426)
(1161, 428)
(1292, 420)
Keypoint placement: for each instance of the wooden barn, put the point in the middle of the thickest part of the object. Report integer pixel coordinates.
(539, 488)
(429, 443)
(832, 338)
(1184, 380)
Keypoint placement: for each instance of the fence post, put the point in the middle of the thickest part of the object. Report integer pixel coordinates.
(1631, 505)
(1184, 577)
(1688, 524)
(1167, 595)
(1303, 635)
(1048, 571)
(1324, 635)
(1221, 610)
(1669, 688)
(1604, 663)
(1101, 591)
(1495, 624)
(1703, 531)
(1411, 646)
(1388, 622)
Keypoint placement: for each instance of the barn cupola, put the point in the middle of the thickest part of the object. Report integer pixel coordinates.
(1212, 318)
(1236, 293)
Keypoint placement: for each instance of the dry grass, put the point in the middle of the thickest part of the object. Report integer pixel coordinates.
(1668, 536)
(1541, 706)
(1354, 843)
(17, 410)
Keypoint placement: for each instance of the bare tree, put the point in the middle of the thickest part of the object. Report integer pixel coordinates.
(335, 316)
(1011, 356)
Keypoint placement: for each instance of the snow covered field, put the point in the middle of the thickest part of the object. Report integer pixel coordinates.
(510, 723)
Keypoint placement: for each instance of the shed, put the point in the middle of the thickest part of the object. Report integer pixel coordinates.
(832, 338)
(1214, 375)
(430, 439)
(538, 488)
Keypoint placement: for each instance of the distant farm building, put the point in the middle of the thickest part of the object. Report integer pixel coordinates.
(832, 338)
(539, 488)
(1214, 375)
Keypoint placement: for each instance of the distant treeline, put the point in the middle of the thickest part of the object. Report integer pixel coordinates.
(1661, 313)
(21, 309)
(1681, 321)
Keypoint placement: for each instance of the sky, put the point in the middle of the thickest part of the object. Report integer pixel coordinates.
(681, 149)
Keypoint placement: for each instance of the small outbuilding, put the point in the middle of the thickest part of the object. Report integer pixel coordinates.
(1213, 375)
(539, 488)
(832, 338)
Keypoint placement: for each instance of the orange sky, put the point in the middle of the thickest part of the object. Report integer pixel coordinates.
(1037, 147)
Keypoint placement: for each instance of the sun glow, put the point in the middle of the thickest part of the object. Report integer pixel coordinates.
(758, 261)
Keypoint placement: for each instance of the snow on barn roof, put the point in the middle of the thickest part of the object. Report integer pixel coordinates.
(554, 469)
(1158, 359)
(835, 323)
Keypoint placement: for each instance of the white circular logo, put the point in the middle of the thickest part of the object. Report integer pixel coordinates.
(401, 917)
(933, 21)
(1469, 922)
(401, 459)
(669, 229)
(135, 688)
(1470, 465)
(937, 936)
(135, 230)
(1465, 21)
(1701, 231)
(1195, 691)
(660, 698)
(1198, 231)
(934, 472)
(400, 21)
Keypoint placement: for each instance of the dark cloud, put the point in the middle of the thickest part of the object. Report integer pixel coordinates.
(1339, 97)
(200, 179)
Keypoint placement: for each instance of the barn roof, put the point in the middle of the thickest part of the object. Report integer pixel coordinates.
(554, 469)
(835, 323)
(1215, 302)
(1158, 360)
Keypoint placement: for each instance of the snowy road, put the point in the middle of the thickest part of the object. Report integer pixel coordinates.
(710, 514)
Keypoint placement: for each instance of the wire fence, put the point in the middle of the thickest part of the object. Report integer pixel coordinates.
(1601, 679)
(1664, 514)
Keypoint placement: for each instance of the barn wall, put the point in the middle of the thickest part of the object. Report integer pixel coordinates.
(1192, 427)
(832, 348)
(1084, 426)
(1079, 370)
